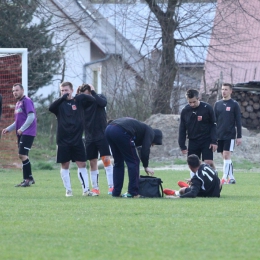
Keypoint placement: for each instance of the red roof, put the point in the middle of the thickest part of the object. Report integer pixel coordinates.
(234, 51)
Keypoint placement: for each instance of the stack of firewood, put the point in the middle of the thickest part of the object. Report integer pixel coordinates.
(250, 108)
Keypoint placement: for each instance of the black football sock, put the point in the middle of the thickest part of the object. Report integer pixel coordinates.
(27, 171)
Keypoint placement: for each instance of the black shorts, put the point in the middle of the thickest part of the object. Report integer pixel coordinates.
(98, 147)
(200, 194)
(24, 144)
(66, 153)
(226, 145)
(215, 193)
(201, 149)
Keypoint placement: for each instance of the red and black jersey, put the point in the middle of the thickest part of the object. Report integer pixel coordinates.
(197, 123)
(228, 117)
(69, 115)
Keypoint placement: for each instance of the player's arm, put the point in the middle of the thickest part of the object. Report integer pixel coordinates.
(194, 189)
(238, 121)
(85, 100)
(147, 169)
(182, 132)
(55, 105)
(215, 111)
(213, 130)
(9, 128)
(100, 99)
(145, 150)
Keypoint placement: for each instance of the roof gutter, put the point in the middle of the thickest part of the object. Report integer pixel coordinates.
(93, 62)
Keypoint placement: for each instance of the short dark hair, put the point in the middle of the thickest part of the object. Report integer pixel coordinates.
(191, 93)
(193, 161)
(18, 84)
(227, 85)
(83, 88)
(66, 83)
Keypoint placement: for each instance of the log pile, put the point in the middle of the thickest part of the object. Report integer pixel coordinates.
(250, 108)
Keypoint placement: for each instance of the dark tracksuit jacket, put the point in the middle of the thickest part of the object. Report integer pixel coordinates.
(228, 118)
(69, 115)
(143, 135)
(197, 123)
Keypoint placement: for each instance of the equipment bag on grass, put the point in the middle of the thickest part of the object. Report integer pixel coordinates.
(150, 186)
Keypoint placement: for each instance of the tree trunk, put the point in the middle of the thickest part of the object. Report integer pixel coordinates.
(167, 73)
(163, 93)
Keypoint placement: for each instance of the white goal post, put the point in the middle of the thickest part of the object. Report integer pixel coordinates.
(13, 69)
(24, 53)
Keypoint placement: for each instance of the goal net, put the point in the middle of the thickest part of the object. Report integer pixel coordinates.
(13, 69)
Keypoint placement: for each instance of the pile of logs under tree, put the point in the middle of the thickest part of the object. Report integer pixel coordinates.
(250, 108)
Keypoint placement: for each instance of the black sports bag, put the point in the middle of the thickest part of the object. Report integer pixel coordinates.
(150, 187)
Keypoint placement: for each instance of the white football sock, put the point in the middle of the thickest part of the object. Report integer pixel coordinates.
(109, 174)
(65, 176)
(83, 178)
(228, 170)
(94, 179)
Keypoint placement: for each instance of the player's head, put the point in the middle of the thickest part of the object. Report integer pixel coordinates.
(18, 91)
(226, 90)
(192, 96)
(158, 136)
(193, 161)
(227, 85)
(66, 88)
(84, 88)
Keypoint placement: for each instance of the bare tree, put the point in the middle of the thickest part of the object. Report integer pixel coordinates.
(168, 67)
(172, 38)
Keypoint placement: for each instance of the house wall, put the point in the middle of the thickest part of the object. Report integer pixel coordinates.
(81, 54)
(77, 50)
(124, 90)
(234, 52)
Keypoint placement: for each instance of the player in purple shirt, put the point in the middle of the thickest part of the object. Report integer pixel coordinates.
(25, 125)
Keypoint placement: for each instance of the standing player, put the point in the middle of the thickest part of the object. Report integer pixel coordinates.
(26, 127)
(69, 112)
(198, 123)
(204, 183)
(95, 123)
(229, 129)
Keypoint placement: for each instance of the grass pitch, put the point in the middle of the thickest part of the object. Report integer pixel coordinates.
(39, 222)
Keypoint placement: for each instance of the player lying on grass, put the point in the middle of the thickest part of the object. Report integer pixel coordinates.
(204, 183)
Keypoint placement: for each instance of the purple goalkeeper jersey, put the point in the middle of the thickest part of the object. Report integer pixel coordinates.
(22, 108)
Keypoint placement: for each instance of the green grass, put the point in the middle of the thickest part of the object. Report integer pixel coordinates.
(245, 164)
(168, 163)
(180, 161)
(42, 150)
(39, 222)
